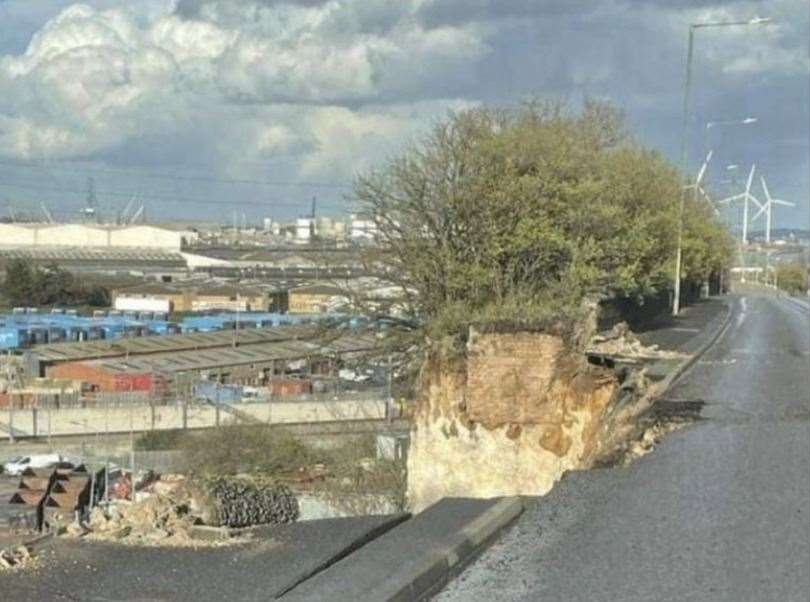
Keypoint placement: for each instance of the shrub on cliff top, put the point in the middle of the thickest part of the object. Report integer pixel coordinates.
(519, 215)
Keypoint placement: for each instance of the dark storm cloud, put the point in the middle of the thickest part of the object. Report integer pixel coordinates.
(192, 9)
(451, 12)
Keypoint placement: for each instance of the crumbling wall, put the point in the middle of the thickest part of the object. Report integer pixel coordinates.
(508, 419)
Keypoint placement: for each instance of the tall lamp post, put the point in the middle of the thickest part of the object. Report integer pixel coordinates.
(676, 301)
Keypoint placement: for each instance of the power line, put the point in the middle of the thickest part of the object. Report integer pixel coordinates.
(165, 196)
(169, 176)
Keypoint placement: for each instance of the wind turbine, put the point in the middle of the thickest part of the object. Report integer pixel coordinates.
(746, 197)
(46, 212)
(122, 215)
(697, 186)
(136, 215)
(767, 208)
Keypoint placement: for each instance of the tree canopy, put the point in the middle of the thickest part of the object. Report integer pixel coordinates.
(30, 284)
(517, 215)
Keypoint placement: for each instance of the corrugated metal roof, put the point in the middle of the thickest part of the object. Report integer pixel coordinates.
(96, 254)
(87, 350)
(243, 355)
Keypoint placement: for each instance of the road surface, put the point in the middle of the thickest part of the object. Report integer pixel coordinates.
(719, 511)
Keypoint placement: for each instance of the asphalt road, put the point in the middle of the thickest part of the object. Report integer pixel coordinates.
(719, 511)
(107, 572)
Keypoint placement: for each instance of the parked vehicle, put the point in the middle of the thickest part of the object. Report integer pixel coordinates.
(16, 466)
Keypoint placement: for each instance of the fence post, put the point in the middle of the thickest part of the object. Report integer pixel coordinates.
(11, 419)
(390, 396)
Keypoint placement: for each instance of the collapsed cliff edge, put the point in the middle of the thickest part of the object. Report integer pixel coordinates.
(517, 409)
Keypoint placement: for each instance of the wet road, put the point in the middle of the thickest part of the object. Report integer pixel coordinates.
(720, 510)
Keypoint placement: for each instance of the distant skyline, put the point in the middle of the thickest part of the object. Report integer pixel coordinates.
(199, 108)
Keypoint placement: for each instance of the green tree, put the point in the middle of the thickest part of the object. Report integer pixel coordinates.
(29, 284)
(518, 215)
(18, 286)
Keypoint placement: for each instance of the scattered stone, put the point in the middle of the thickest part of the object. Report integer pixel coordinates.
(651, 437)
(17, 558)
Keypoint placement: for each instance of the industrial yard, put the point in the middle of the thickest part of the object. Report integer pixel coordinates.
(204, 345)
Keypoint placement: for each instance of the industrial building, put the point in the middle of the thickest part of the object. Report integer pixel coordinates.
(26, 328)
(156, 263)
(38, 360)
(197, 297)
(317, 298)
(139, 249)
(154, 364)
(94, 236)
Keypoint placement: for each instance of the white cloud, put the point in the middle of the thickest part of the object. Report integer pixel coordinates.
(319, 88)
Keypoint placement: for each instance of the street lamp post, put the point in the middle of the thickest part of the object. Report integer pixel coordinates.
(676, 304)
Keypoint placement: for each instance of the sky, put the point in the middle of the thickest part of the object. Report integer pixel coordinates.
(241, 109)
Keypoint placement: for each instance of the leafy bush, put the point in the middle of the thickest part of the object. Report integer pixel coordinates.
(792, 278)
(159, 440)
(235, 448)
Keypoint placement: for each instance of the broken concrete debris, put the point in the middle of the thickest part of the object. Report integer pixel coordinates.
(620, 341)
(167, 509)
(16, 558)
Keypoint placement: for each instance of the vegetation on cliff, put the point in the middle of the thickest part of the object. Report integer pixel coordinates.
(516, 216)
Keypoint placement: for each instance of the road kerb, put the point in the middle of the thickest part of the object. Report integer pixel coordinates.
(439, 565)
(681, 368)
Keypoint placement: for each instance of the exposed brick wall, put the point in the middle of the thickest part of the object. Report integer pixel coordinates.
(509, 378)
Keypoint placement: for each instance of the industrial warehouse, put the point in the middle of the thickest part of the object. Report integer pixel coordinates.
(26, 327)
(253, 357)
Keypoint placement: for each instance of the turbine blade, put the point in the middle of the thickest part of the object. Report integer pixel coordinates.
(703, 168)
(750, 178)
(781, 202)
(765, 187)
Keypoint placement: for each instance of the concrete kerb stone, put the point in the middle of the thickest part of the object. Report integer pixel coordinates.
(392, 521)
(438, 566)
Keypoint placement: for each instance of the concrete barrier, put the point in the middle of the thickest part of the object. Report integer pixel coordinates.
(138, 418)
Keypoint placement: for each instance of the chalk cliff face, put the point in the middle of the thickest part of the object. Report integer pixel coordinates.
(508, 419)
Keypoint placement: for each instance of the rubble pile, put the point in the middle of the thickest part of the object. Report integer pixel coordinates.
(166, 509)
(620, 341)
(243, 501)
(157, 519)
(649, 439)
(16, 558)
